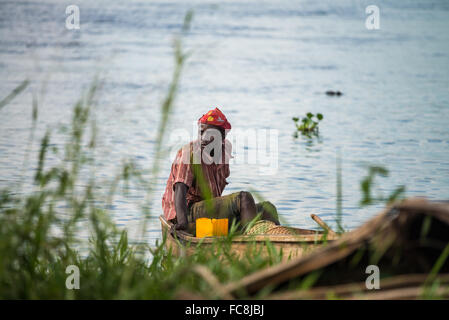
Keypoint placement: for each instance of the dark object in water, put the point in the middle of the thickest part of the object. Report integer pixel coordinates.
(333, 93)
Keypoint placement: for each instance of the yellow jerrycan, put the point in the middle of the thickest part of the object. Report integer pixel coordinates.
(206, 227)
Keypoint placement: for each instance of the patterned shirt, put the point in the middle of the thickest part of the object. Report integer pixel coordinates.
(182, 170)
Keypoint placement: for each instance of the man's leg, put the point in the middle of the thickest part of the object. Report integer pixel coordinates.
(239, 206)
(248, 209)
(268, 211)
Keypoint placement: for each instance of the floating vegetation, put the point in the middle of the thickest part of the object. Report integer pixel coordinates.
(308, 125)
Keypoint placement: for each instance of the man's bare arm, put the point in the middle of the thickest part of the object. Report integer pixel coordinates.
(181, 205)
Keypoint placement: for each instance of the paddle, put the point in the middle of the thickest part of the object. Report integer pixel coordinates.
(323, 224)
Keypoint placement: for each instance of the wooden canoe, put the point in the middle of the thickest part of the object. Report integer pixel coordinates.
(292, 246)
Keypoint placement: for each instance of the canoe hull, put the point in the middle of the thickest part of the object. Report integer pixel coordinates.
(292, 246)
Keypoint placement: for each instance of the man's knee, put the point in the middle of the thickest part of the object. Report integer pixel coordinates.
(246, 197)
(267, 205)
(269, 211)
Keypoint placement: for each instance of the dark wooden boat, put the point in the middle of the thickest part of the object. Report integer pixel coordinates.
(292, 246)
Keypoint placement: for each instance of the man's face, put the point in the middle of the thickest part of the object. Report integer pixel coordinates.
(207, 133)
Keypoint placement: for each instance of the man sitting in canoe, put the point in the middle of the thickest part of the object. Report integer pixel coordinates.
(198, 178)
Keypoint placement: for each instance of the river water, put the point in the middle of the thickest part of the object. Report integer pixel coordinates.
(261, 63)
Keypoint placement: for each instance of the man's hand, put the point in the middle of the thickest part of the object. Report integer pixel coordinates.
(181, 226)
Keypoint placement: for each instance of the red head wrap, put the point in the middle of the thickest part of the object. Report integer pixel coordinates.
(216, 118)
